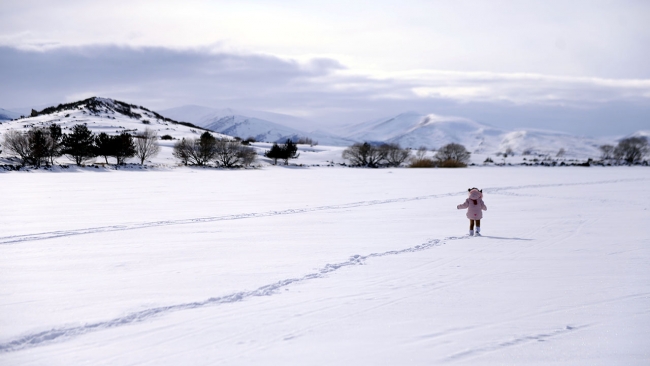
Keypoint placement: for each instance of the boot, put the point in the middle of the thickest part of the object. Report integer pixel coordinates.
(478, 231)
(471, 233)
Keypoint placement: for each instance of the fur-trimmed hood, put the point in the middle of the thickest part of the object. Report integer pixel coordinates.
(475, 193)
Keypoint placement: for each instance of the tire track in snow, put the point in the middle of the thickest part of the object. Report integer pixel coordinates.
(145, 225)
(65, 333)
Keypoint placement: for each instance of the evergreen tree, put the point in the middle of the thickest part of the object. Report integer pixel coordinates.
(289, 151)
(55, 144)
(105, 145)
(205, 149)
(275, 153)
(79, 145)
(39, 146)
(123, 147)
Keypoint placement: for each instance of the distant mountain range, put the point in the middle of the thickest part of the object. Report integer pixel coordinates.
(6, 115)
(410, 129)
(262, 126)
(432, 131)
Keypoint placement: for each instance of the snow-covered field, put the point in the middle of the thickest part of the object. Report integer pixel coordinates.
(325, 266)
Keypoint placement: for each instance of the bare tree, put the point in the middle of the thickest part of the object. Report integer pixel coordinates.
(452, 155)
(33, 147)
(183, 150)
(394, 154)
(233, 153)
(632, 149)
(146, 145)
(364, 154)
(606, 152)
(247, 155)
(227, 153)
(203, 149)
(560, 153)
(16, 143)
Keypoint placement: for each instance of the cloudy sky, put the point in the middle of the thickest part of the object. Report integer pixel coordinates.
(576, 66)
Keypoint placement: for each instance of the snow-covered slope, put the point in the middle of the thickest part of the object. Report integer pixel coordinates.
(414, 130)
(7, 115)
(110, 116)
(320, 267)
(261, 125)
(202, 116)
(244, 127)
(105, 115)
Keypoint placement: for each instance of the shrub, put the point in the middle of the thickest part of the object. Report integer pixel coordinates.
(452, 156)
(422, 163)
(166, 137)
(451, 163)
(420, 160)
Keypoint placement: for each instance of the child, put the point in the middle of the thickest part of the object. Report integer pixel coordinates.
(474, 204)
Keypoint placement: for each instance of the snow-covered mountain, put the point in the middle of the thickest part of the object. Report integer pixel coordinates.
(105, 115)
(202, 116)
(6, 115)
(414, 130)
(244, 127)
(260, 125)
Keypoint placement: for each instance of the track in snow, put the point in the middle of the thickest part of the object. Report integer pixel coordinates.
(64, 333)
(144, 225)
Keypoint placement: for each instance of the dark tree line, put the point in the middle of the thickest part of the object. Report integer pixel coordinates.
(630, 150)
(368, 155)
(40, 146)
(207, 148)
(365, 154)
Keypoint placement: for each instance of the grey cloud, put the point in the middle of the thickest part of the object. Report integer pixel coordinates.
(320, 88)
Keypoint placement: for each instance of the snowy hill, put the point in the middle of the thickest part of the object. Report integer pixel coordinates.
(244, 123)
(202, 116)
(244, 127)
(414, 130)
(110, 116)
(7, 115)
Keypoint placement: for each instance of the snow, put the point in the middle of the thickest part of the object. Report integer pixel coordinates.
(321, 266)
(7, 115)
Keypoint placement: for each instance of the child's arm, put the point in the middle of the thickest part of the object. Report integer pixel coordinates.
(463, 205)
(483, 206)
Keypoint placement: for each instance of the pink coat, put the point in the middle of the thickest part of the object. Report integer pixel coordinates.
(474, 209)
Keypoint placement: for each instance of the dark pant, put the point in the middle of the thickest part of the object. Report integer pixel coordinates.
(471, 224)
